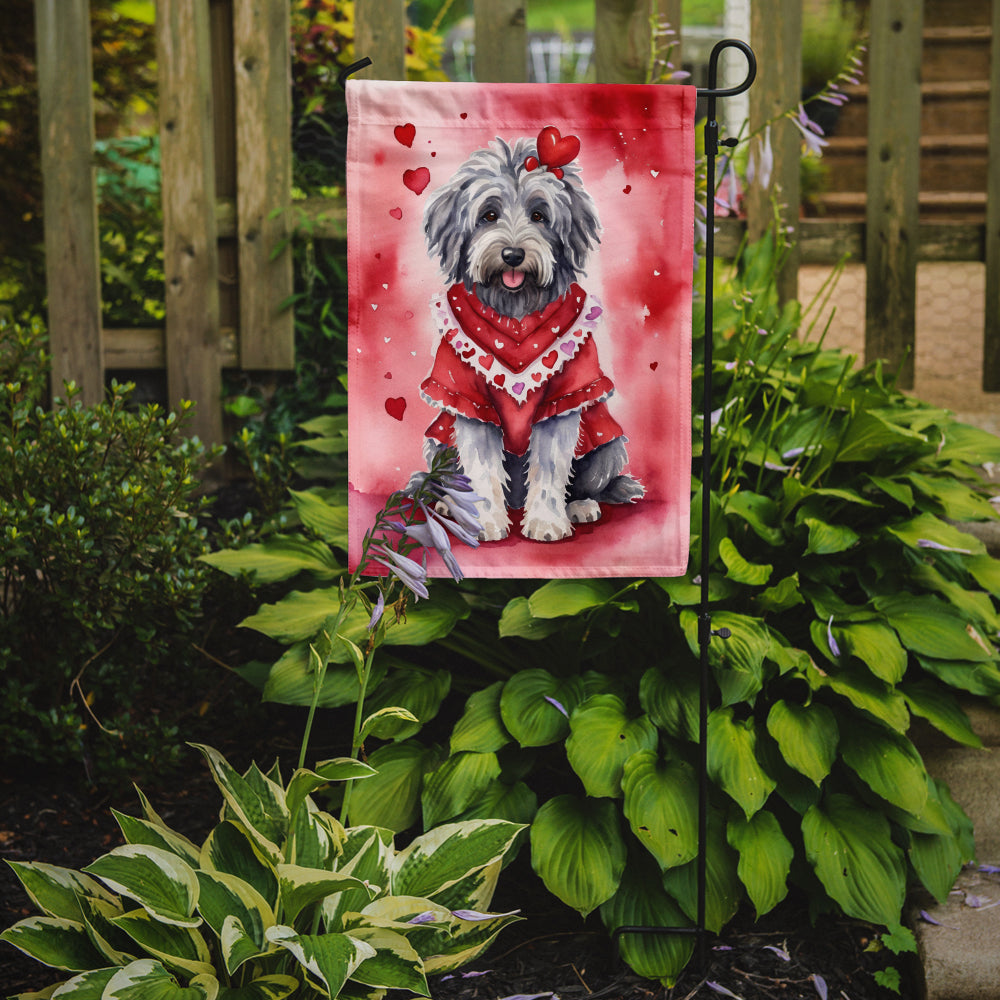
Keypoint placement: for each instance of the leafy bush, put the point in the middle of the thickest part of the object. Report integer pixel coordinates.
(279, 899)
(854, 604)
(99, 540)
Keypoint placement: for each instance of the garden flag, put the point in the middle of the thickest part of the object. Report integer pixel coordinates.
(520, 262)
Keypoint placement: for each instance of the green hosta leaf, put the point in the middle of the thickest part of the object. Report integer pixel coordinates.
(975, 605)
(291, 680)
(641, 901)
(530, 706)
(602, 738)
(304, 782)
(807, 736)
(828, 539)
(180, 948)
(893, 488)
(957, 501)
(931, 628)
(141, 831)
(732, 760)
(661, 799)
(417, 690)
(965, 443)
(230, 849)
(456, 784)
(578, 851)
(976, 678)
(391, 798)
(226, 898)
(327, 520)
(751, 574)
(56, 891)
(941, 709)
(395, 964)
(758, 511)
(275, 987)
(260, 809)
(159, 881)
(937, 859)
(481, 728)
(850, 847)
(443, 856)
(723, 889)
(876, 646)
(738, 661)
(279, 558)
(559, 598)
(54, 941)
(928, 528)
(683, 592)
(783, 595)
(870, 435)
(866, 692)
(765, 858)
(301, 887)
(517, 620)
(330, 959)
(147, 979)
(986, 572)
(671, 700)
(516, 803)
(888, 763)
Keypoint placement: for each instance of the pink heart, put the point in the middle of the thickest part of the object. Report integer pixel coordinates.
(417, 180)
(396, 213)
(517, 388)
(567, 347)
(395, 407)
(594, 313)
(404, 134)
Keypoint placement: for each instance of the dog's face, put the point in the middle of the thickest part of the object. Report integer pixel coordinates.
(517, 237)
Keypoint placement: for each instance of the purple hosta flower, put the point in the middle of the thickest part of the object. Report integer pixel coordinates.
(465, 975)
(760, 165)
(427, 917)
(927, 918)
(780, 952)
(531, 996)
(989, 869)
(431, 535)
(820, 984)
(719, 988)
(812, 134)
(558, 705)
(728, 198)
(475, 915)
(410, 573)
(834, 648)
(377, 612)
(927, 543)
(462, 534)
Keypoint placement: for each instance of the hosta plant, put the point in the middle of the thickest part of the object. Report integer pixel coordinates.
(279, 900)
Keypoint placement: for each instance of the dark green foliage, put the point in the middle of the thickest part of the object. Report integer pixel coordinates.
(99, 539)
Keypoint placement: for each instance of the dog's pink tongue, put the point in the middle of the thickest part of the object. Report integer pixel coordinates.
(513, 279)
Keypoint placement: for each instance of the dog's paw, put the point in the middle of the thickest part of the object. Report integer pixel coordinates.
(583, 511)
(494, 526)
(546, 527)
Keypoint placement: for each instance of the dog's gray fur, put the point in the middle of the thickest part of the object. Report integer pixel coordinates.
(493, 216)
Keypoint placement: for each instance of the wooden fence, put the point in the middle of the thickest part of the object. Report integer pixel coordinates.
(226, 161)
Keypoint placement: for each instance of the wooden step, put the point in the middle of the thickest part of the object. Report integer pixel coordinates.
(958, 206)
(956, 53)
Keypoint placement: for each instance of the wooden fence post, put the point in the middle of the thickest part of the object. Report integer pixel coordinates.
(991, 332)
(622, 40)
(380, 34)
(72, 255)
(776, 35)
(262, 61)
(190, 251)
(501, 41)
(892, 214)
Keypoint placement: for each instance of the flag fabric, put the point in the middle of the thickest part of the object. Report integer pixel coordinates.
(520, 262)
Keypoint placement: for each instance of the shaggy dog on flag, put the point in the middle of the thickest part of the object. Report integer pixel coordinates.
(516, 377)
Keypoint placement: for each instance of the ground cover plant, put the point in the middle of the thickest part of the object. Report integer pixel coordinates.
(854, 605)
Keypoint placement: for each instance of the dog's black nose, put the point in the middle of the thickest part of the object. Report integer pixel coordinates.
(512, 255)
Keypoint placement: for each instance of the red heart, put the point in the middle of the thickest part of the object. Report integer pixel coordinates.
(550, 359)
(626, 189)
(486, 360)
(531, 163)
(537, 376)
(404, 134)
(396, 213)
(395, 407)
(499, 379)
(653, 365)
(555, 150)
(417, 180)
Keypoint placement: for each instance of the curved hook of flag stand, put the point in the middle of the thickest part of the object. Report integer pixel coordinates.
(705, 631)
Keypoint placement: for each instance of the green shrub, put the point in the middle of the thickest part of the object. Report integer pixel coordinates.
(99, 542)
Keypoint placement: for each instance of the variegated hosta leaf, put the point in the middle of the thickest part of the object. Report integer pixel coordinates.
(230, 849)
(467, 940)
(56, 891)
(391, 799)
(476, 890)
(274, 987)
(301, 887)
(732, 760)
(661, 805)
(86, 986)
(141, 831)
(765, 858)
(850, 847)
(441, 857)
(481, 727)
(256, 801)
(304, 782)
(177, 947)
(395, 964)
(158, 880)
(54, 941)
(535, 706)
(807, 736)
(225, 897)
(329, 959)
(602, 737)
(147, 979)
(888, 763)
(456, 784)
(578, 851)
(98, 915)
(642, 902)
(315, 838)
(367, 853)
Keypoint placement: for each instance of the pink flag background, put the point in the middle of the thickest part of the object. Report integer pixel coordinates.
(637, 162)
